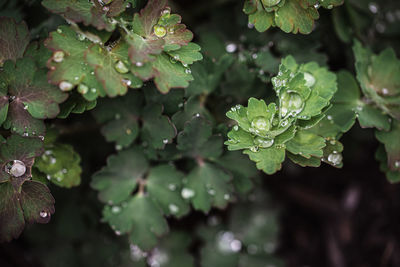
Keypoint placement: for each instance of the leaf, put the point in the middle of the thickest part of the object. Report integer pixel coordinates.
(381, 156)
(32, 97)
(119, 117)
(61, 165)
(87, 12)
(301, 18)
(306, 144)
(208, 186)
(164, 184)
(157, 129)
(391, 142)
(143, 230)
(14, 38)
(268, 160)
(76, 105)
(188, 54)
(32, 202)
(304, 162)
(116, 181)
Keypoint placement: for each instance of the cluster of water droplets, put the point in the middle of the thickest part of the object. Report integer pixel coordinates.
(15, 168)
(227, 243)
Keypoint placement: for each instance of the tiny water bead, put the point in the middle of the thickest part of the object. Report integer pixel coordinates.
(83, 88)
(263, 142)
(121, 67)
(173, 208)
(166, 11)
(43, 214)
(15, 168)
(335, 158)
(116, 209)
(127, 82)
(310, 80)
(159, 31)
(187, 193)
(158, 258)
(270, 3)
(58, 56)
(373, 7)
(139, 64)
(231, 48)
(65, 86)
(397, 164)
(261, 124)
(291, 102)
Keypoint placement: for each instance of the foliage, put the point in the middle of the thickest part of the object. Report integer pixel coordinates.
(114, 98)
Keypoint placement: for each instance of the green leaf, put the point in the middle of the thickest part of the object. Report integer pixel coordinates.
(31, 97)
(306, 144)
(61, 165)
(157, 129)
(14, 38)
(304, 162)
(164, 184)
(143, 230)
(268, 160)
(119, 178)
(76, 105)
(207, 186)
(119, 117)
(87, 12)
(30, 203)
(188, 54)
(391, 142)
(301, 18)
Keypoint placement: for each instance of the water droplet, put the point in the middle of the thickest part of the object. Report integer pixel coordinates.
(227, 243)
(127, 82)
(118, 233)
(41, 137)
(117, 116)
(165, 141)
(254, 149)
(65, 86)
(231, 48)
(121, 67)
(59, 30)
(173, 208)
(80, 36)
(83, 88)
(58, 56)
(284, 123)
(211, 191)
(116, 209)
(15, 168)
(236, 128)
(172, 187)
(43, 214)
(128, 131)
(397, 164)
(227, 196)
(373, 7)
(159, 31)
(261, 124)
(188, 71)
(310, 80)
(157, 258)
(335, 158)
(139, 64)
(291, 103)
(385, 91)
(250, 25)
(329, 117)
(136, 253)
(262, 142)
(118, 147)
(330, 6)
(93, 90)
(53, 160)
(187, 193)
(106, 8)
(254, 56)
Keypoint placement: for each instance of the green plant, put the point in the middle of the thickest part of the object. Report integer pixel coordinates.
(160, 99)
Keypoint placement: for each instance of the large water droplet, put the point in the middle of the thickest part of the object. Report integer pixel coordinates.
(159, 31)
(65, 86)
(15, 168)
(263, 142)
(58, 56)
(187, 193)
(310, 80)
(254, 149)
(292, 103)
(335, 158)
(121, 67)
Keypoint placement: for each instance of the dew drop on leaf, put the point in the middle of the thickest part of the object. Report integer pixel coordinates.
(231, 48)
(261, 124)
(83, 88)
(139, 64)
(159, 31)
(65, 86)
(121, 67)
(58, 56)
(115, 209)
(291, 102)
(165, 141)
(335, 158)
(263, 142)
(310, 80)
(227, 243)
(43, 214)
(187, 193)
(173, 208)
(172, 187)
(15, 168)
(188, 71)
